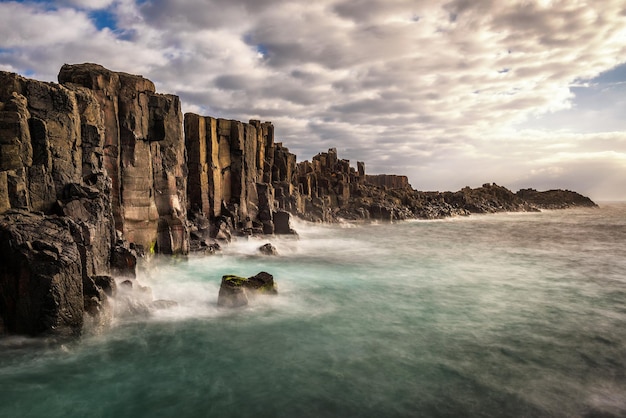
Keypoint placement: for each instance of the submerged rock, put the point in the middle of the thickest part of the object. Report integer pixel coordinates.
(234, 290)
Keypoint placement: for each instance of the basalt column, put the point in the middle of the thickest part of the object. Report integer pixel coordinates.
(143, 155)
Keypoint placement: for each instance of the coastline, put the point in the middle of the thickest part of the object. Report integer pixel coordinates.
(100, 170)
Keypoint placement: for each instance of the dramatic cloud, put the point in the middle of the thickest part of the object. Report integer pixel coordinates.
(451, 93)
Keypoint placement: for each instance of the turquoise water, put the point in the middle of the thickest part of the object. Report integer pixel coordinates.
(504, 315)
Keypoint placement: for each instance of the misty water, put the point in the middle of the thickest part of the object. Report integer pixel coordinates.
(505, 315)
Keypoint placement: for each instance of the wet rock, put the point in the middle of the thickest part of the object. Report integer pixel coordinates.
(126, 284)
(123, 260)
(263, 283)
(235, 291)
(41, 275)
(232, 292)
(282, 223)
(268, 249)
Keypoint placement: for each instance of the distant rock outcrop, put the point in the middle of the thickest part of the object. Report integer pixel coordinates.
(555, 199)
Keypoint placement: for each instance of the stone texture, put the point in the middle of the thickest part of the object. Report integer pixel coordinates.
(143, 154)
(236, 291)
(41, 286)
(390, 181)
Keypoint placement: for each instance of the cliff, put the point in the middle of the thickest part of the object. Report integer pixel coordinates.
(99, 169)
(95, 159)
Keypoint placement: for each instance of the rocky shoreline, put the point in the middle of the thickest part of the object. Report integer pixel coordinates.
(100, 169)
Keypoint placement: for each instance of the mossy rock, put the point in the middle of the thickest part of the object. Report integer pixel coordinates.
(234, 290)
(233, 281)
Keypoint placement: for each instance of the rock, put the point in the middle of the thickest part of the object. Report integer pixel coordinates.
(41, 284)
(232, 292)
(126, 284)
(282, 224)
(554, 199)
(262, 283)
(235, 291)
(268, 249)
(123, 260)
(390, 181)
(143, 152)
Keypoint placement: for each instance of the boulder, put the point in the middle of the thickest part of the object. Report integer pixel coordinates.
(232, 292)
(268, 249)
(235, 291)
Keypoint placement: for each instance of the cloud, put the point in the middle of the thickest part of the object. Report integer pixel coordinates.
(445, 92)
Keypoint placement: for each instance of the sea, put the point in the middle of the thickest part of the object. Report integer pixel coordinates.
(500, 315)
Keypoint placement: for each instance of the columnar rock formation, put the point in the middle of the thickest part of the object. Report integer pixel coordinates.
(97, 167)
(326, 184)
(78, 160)
(390, 181)
(143, 154)
(238, 176)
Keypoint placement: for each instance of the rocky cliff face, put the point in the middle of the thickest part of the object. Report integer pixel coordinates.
(143, 152)
(79, 160)
(100, 166)
(238, 177)
(390, 181)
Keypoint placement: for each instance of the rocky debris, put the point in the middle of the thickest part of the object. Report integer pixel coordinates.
(235, 291)
(555, 199)
(268, 249)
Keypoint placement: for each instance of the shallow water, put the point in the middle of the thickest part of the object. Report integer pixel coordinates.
(505, 315)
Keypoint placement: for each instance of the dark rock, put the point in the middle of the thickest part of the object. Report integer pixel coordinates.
(282, 224)
(235, 291)
(555, 199)
(126, 284)
(263, 283)
(41, 286)
(232, 292)
(123, 260)
(107, 284)
(268, 249)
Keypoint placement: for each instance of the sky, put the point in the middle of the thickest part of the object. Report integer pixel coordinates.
(452, 93)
